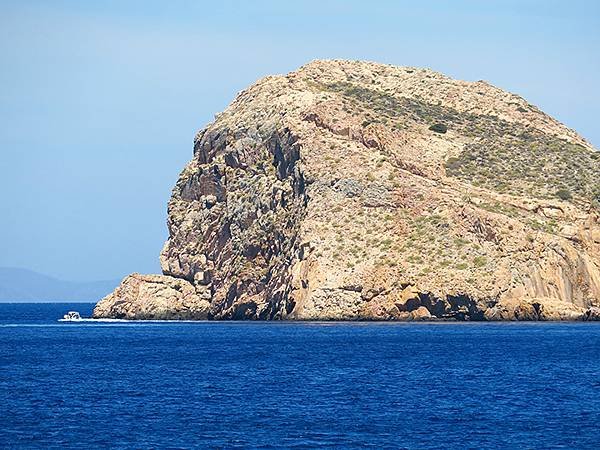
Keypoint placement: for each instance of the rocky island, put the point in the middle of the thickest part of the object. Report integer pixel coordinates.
(353, 190)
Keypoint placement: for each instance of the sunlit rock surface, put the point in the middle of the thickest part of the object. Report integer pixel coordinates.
(353, 190)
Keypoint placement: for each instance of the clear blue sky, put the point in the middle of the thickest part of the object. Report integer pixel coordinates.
(99, 101)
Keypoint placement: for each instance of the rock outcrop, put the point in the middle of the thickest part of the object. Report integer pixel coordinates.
(354, 190)
(154, 297)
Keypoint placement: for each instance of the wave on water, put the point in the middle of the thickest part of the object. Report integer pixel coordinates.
(90, 321)
(131, 321)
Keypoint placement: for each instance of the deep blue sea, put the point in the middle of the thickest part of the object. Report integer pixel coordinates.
(299, 385)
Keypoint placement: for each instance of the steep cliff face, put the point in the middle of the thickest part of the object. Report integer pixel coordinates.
(355, 190)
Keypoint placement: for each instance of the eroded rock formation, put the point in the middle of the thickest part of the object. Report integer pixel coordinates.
(355, 190)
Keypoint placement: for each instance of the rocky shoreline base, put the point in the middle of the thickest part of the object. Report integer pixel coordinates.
(159, 297)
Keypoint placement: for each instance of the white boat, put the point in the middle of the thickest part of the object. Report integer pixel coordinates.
(71, 316)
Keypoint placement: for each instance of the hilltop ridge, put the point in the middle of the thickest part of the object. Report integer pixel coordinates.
(22, 285)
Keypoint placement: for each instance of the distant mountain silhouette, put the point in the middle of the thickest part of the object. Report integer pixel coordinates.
(22, 285)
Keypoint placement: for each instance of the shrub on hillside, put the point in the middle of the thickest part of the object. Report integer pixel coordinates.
(439, 128)
(564, 194)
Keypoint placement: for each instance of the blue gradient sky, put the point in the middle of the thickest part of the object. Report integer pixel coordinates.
(99, 101)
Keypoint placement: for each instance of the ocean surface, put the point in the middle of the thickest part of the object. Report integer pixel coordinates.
(299, 385)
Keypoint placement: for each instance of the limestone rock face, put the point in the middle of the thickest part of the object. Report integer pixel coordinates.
(353, 190)
(538, 309)
(153, 297)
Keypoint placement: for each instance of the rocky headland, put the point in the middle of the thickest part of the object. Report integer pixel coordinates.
(360, 191)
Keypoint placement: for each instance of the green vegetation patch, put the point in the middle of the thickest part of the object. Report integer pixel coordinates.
(529, 164)
(501, 156)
